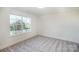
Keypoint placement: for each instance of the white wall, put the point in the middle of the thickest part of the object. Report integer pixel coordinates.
(7, 40)
(61, 25)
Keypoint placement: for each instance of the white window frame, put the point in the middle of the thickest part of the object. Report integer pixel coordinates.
(23, 30)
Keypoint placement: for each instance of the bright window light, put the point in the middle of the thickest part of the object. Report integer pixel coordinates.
(19, 24)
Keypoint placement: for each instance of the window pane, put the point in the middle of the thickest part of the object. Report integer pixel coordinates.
(18, 17)
(13, 19)
(19, 24)
(27, 22)
(24, 19)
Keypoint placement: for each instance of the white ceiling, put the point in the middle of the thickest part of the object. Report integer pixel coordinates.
(46, 10)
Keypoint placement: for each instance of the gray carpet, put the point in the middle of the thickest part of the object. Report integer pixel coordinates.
(43, 44)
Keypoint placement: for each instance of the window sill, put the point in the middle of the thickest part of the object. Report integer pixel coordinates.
(19, 34)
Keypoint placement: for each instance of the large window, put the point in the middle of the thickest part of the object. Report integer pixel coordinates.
(19, 24)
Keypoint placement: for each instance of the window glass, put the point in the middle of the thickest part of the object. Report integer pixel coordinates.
(19, 24)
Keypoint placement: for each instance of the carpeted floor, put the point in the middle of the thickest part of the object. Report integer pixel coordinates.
(43, 44)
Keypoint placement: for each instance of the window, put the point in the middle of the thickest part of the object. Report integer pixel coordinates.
(19, 24)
